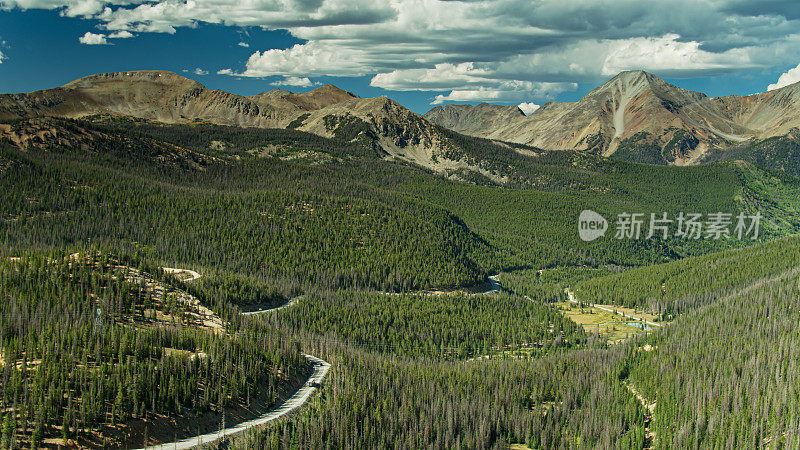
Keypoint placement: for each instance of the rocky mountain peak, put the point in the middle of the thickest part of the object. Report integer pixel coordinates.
(330, 89)
(273, 93)
(160, 77)
(470, 119)
(320, 97)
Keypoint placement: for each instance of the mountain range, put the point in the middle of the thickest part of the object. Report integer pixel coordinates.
(635, 116)
(167, 97)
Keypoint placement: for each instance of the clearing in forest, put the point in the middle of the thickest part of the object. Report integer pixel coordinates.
(609, 326)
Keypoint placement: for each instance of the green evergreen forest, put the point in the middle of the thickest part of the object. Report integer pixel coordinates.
(381, 268)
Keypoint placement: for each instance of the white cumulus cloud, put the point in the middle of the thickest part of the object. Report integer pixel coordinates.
(504, 92)
(528, 107)
(199, 71)
(471, 48)
(83, 8)
(667, 54)
(124, 34)
(791, 76)
(243, 44)
(93, 39)
(294, 81)
(311, 58)
(467, 82)
(441, 76)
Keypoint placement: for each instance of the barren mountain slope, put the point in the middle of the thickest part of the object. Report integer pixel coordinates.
(327, 111)
(635, 116)
(396, 130)
(320, 97)
(771, 113)
(638, 116)
(472, 120)
(165, 97)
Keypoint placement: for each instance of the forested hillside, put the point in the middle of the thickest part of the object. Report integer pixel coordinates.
(778, 152)
(89, 350)
(235, 216)
(377, 401)
(360, 244)
(702, 393)
(727, 375)
(292, 188)
(447, 326)
(692, 282)
(551, 189)
(548, 284)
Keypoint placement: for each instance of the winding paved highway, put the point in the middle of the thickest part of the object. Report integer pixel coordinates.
(295, 401)
(494, 282)
(192, 274)
(286, 305)
(298, 399)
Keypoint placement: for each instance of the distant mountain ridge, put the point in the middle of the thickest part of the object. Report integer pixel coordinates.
(474, 120)
(637, 116)
(327, 111)
(319, 98)
(166, 97)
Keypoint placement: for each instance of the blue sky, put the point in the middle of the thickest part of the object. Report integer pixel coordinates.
(420, 53)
